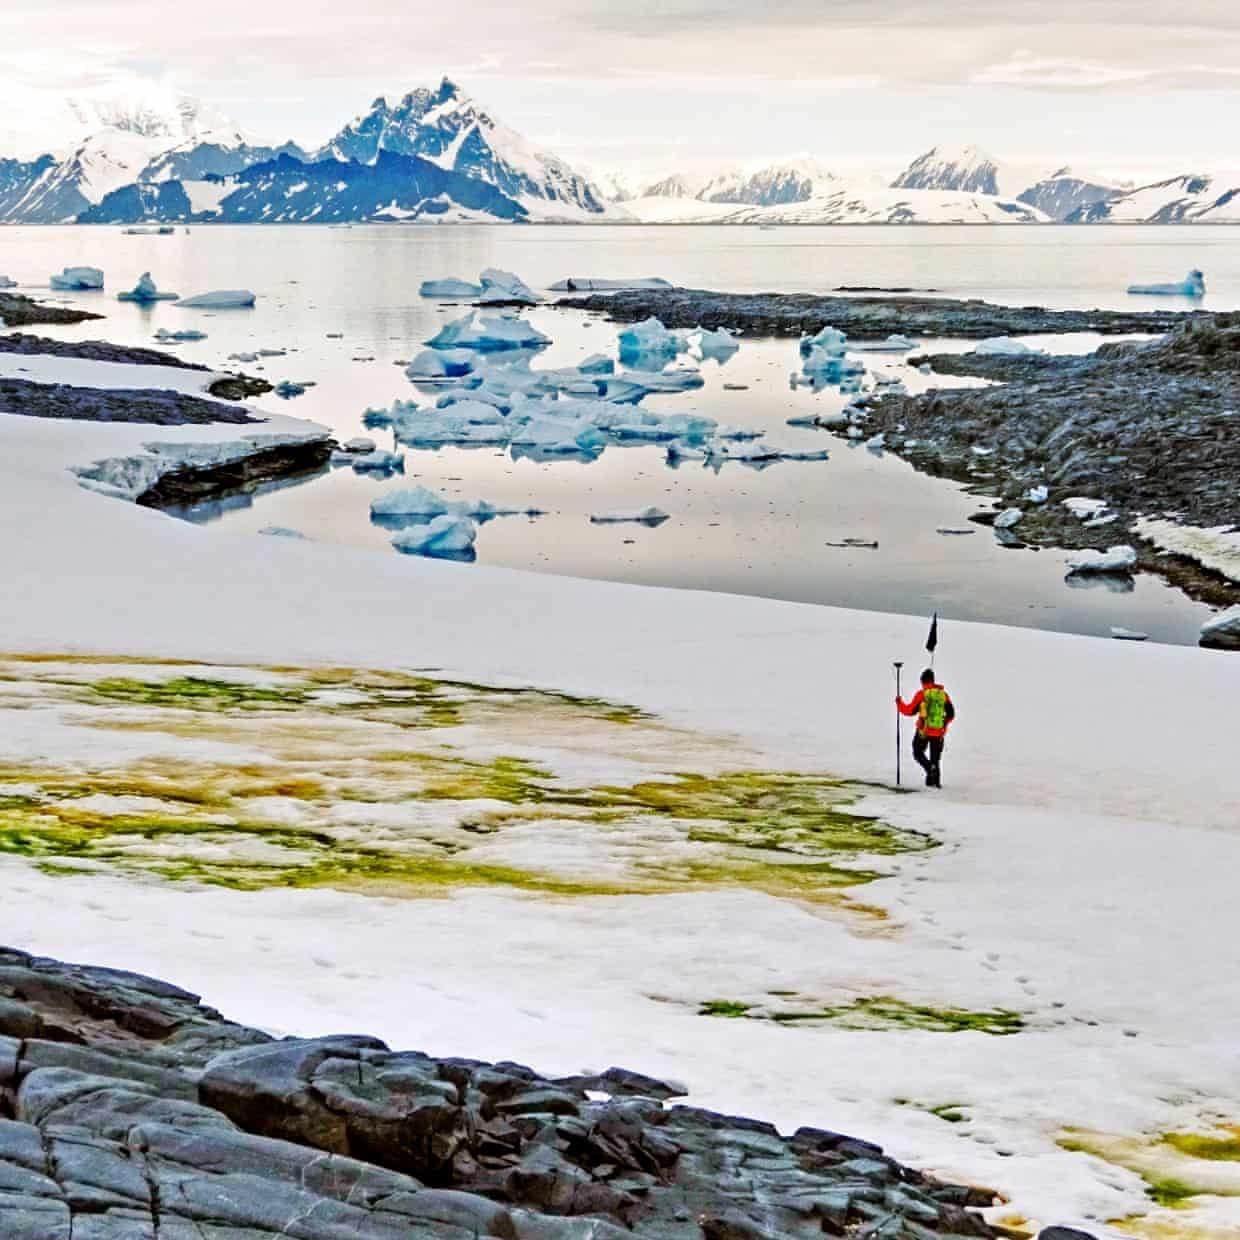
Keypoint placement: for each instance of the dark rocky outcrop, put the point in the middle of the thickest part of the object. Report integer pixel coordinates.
(17, 310)
(864, 318)
(183, 488)
(91, 350)
(149, 405)
(129, 1111)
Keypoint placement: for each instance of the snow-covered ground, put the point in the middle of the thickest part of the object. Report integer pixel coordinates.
(1089, 838)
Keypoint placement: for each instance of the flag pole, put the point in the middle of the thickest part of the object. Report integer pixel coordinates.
(898, 666)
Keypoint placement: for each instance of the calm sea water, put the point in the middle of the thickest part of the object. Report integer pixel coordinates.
(344, 302)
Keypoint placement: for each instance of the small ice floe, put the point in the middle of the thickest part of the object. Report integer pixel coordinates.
(1223, 630)
(220, 299)
(719, 344)
(866, 544)
(450, 287)
(448, 537)
(503, 288)
(421, 502)
(283, 531)
(145, 292)
(650, 339)
(360, 443)
(189, 333)
(76, 279)
(489, 333)
(597, 364)
(1193, 285)
(1127, 635)
(895, 343)
(1008, 518)
(439, 365)
(876, 443)
(640, 516)
(271, 352)
(1084, 508)
(1006, 346)
(599, 284)
(1038, 494)
(286, 389)
(1118, 559)
(7, 282)
(244, 358)
(379, 461)
(829, 340)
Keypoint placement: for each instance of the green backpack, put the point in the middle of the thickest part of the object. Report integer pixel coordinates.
(934, 709)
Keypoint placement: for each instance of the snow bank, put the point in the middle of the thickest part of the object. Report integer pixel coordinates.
(450, 287)
(1193, 285)
(1216, 548)
(73, 279)
(220, 299)
(448, 536)
(145, 292)
(1118, 559)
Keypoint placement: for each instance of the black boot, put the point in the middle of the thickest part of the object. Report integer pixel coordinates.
(934, 778)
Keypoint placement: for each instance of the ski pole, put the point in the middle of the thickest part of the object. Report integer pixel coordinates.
(898, 666)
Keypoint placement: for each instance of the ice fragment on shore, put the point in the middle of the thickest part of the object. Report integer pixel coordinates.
(1193, 285)
(1084, 508)
(447, 536)
(450, 287)
(1008, 518)
(1222, 631)
(1118, 559)
(1006, 346)
(73, 279)
(504, 288)
(145, 292)
(643, 516)
(895, 343)
(1038, 495)
(489, 333)
(220, 299)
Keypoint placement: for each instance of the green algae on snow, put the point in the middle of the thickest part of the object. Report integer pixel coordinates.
(1213, 1149)
(880, 1013)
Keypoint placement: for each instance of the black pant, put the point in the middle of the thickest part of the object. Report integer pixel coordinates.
(935, 745)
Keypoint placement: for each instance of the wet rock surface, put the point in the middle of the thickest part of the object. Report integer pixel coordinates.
(863, 318)
(130, 1111)
(17, 310)
(1151, 428)
(91, 350)
(182, 488)
(149, 405)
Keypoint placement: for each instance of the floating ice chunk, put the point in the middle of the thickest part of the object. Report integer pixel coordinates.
(1006, 346)
(1127, 635)
(447, 536)
(829, 340)
(894, 343)
(1193, 285)
(1038, 494)
(439, 365)
(220, 299)
(719, 344)
(243, 357)
(489, 333)
(643, 516)
(145, 292)
(189, 333)
(7, 282)
(598, 284)
(286, 389)
(1118, 559)
(385, 417)
(877, 443)
(807, 454)
(737, 432)
(677, 452)
(461, 422)
(361, 443)
(419, 501)
(73, 279)
(449, 288)
(675, 379)
(558, 435)
(1222, 630)
(503, 288)
(1084, 508)
(598, 364)
(378, 461)
(649, 338)
(1008, 518)
(283, 531)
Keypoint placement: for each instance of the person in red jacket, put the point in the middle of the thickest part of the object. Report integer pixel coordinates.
(935, 712)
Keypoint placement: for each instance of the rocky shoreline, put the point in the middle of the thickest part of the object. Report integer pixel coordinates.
(155, 406)
(17, 310)
(1150, 429)
(863, 318)
(130, 1111)
(198, 484)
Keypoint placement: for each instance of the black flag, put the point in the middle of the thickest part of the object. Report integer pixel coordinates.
(933, 639)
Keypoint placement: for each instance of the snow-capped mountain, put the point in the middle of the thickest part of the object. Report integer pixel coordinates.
(1065, 193)
(451, 130)
(1191, 199)
(967, 169)
(287, 190)
(788, 181)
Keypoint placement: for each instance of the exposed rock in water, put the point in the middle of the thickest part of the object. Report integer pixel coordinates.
(863, 318)
(150, 405)
(91, 350)
(134, 1112)
(239, 387)
(17, 310)
(1151, 428)
(197, 484)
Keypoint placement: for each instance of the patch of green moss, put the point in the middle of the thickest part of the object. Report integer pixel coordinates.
(950, 1112)
(1169, 1192)
(884, 1012)
(728, 1008)
(197, 693)
(1215, 1149)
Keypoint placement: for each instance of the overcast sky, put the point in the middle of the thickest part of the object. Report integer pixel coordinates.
(1129, 86)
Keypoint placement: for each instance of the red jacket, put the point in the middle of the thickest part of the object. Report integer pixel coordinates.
(917, 707)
